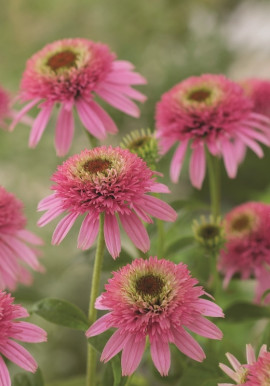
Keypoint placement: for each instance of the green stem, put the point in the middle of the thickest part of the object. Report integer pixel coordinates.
(128, 382)
(214, 183)
(92, 313)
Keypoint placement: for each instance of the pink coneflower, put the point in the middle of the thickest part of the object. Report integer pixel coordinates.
(70, 72)
(259, 372)
(247, 250)
(259, 92)
(158, 299)
(241, 374)
(14, 239)
(10, 329)
(212, 112)
(4, 107)
(105, 180)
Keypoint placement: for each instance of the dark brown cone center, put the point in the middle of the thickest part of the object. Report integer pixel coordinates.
(199, 95)
(97, 165)
(241, 223)
(149, 285)
(137, 143)
(62, 59)
(209, 232)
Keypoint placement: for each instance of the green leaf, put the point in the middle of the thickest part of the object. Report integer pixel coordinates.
(179, 244)
(28, 379)
(243, 311)
(98, 342)
(62, 313)
(71, 382)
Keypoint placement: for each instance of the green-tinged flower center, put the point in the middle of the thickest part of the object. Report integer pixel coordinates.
(97, 165)
(149, 285)
(64, 59)
(243, 373)
(137, 143)
(199, 95)
(209, 231)
(242, 223)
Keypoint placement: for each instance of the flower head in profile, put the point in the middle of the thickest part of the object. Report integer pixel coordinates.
(258, 90)
(209, 112)
(145, 144)
(243, 374)
(70, 73)
(247, 249)
(15, 253)
(10, 329)
(209, 233)
(159, 300)
(107, 180)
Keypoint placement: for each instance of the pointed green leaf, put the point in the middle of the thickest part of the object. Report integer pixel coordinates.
(243, 311)
(61, 312)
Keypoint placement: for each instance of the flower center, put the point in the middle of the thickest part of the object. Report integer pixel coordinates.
(209, 231)
(97, 165)
(242, 223)
(199, 95)
(149, 285)
(62, 59)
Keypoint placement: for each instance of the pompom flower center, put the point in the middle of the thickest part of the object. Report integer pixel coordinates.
(200, 95)
(149, 285)
(97, 165)
(64, 59)
(242, 223)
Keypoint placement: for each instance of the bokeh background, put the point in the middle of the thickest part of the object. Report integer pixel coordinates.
(167, 40)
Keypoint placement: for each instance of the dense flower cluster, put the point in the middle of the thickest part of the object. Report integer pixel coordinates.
(158, 299)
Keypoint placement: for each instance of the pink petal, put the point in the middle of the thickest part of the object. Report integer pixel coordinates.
(240, 151)
(23, 111)
(134, 94)
(64, 130)
(49, 202)
(63, 227)
(161, 356)
(49, 216)
(99, 304)
(251, 358)
(229, 372)
(233, 361)
(260, 117)
(177, 161)
(90, 119)
(230, 158)
(159, 188)
(88, 232)
(252, 133)
(120, 65)
(107, 121)
(22, 250)
(251, 144)
(113, 346)
(125, 77)
(4, 374)
(157, 208)
(40, 124)
(112, 235)
(204, 327)
(19, 312)
(197, 166)
(19, 355)
(29, 237)
(28, 332)
(135, 231)
(188, 345)
(139, 212)
(101, 325)
(119, 101)
(132, 355)
(208, 308)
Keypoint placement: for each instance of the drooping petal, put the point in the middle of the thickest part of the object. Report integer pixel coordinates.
(114, 345)
(159, 188)
(63, 227)
(50, 215)
(4, 374)
(19, 355)
(188, 345)
(157, 208)
(107, 121)
(64, 130)
(28, 332)
(204, 327)
(230, 158)
(160, 353)
(23, 111)
(119, 101)
(40, 124)
(132, 355)
(112, 235)
(30, 237)
(125, 77)
(251, 144)
(208, 308)
(90, 119)
(135, 231)
(88, 232)
(101, 325)
(197, 166)
(177, 161)
(22, 250)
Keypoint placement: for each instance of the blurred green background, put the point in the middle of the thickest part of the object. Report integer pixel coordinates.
(167, 40)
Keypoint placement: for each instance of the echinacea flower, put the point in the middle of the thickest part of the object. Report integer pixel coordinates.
(15, 253)
(105, 180)
(70, 73)
(258, 90)
(247, 249)
(11, 328)
(159, 300)
(259, 372)
(209, 112)
(241, 374)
